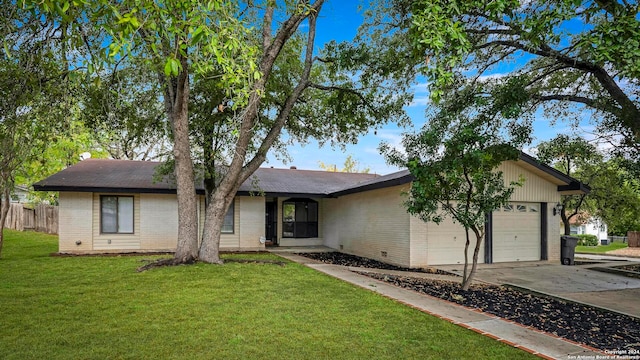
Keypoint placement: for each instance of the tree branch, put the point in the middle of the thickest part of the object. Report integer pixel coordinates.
(275, 130)
(266, 27)
(630, 114)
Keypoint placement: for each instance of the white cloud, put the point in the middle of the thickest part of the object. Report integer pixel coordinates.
(489, 77)
(420, 95)
(420, 101)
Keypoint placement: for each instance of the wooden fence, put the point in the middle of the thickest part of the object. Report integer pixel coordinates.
(634, 238)
(42, 218)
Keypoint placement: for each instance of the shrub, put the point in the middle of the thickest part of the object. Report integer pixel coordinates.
(587, 240)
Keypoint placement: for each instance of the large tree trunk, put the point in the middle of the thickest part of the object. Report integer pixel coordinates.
(216, 209)
(4, 209)
(239, 170)
(176, 104)
(187, 248)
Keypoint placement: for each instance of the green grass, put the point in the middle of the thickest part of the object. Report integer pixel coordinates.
(600, 249)
(101, 308)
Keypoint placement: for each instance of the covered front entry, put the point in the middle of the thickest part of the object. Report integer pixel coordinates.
(271, 221)
(516, 232)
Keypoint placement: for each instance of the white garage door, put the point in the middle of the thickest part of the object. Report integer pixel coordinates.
(446, 244)
(516, 233)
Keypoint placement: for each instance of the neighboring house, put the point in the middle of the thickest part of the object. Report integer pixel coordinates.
(20, 194)
(115, 206)
(591, 226)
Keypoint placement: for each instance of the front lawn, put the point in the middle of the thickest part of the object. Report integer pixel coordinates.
(100, 308)
(601, 248)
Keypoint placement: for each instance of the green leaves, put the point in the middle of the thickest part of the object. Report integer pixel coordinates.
(207, 34)
(172, 67)
(455, 159)
(574, 59)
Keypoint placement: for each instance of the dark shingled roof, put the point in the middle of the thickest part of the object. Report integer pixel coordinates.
(105, 175)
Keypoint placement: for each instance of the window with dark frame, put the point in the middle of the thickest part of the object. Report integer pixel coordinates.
(116, 214)
(227, 226)
(300, 218)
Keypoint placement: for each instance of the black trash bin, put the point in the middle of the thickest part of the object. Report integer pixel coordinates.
(568, 249)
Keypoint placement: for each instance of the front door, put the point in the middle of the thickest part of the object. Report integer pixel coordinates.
(271, 222)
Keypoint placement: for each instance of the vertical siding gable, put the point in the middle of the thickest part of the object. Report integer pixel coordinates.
(535, 188)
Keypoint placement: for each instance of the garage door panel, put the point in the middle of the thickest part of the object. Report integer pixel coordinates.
(516, 233)
(446, 244)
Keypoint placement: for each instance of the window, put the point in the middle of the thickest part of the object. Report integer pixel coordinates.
(533, 208)
(116, 214)
(507, 207)
(521, 208)
(300, 218)
(227, 227)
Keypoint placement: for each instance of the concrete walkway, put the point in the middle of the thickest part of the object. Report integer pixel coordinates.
(606, 257)
(534, 341)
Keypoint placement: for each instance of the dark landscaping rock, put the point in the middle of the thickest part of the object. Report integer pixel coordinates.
(584, 324)
(634, 267)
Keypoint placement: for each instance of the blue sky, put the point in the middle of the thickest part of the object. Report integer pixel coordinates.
(339, 20)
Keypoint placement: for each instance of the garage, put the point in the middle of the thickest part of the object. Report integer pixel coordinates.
(446, 244)
(517, 232)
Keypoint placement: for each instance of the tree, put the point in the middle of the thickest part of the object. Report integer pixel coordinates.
(573, 58)
(614, 192)
(174, 40)
(305, 95)
(56, 151)
(577, 158)
(123, 107)
(616, 195)
(282, 86)
(350, 166)
(34, 93)
(454, 162)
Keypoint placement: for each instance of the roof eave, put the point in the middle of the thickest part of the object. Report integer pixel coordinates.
(574, 188)
(378, 185)
(545, 168)
(280, 194)
(38, 187)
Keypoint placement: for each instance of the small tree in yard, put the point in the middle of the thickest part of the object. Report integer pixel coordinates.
(453, 161)
(577, 158)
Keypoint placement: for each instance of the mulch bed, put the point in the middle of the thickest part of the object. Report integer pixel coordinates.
(584, 324)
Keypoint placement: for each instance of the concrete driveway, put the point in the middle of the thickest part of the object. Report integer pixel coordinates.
(578, 283)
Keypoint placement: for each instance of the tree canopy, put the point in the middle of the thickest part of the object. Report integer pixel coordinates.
(573, 59)
(454, 160)
(614, 196)
(254, 70)
(38, 116)
(350, 166)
